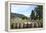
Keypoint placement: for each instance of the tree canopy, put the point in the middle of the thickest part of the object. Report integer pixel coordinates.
(32, 15)
(39, 12)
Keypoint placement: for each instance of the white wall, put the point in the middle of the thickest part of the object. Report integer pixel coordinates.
(2, 16)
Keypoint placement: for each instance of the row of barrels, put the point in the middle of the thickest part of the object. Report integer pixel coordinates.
(25, 25)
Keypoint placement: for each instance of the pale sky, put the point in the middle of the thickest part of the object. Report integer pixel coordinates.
(22, 9)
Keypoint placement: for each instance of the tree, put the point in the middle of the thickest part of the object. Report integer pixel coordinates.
(24, 17)
(39, 11)
(32, 15)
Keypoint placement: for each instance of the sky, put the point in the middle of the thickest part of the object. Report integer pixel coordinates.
(22, 9)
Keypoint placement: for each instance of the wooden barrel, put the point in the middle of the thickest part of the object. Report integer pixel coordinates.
(21, 25)
(17, 25)
(29, 25)
(25, 25)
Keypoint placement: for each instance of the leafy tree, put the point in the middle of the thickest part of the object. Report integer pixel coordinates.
(32, 15)
(39, 11)
(24, 17)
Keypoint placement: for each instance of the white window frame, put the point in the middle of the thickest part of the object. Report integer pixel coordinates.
(30, 29)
